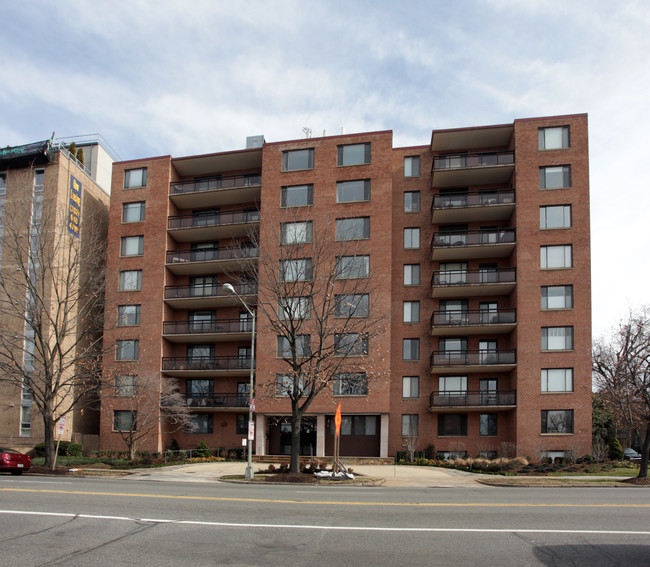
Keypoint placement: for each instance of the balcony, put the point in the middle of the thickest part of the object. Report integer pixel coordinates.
(467, 361)
(464, 169)
(493, 205)
(226, 401)
(202, 366)
(204, 261)
(216, 191)
(464, 245)
(493, 400)
(202, 296)
(450, 323)
(213, 225)
(207, 331)
(472, 283)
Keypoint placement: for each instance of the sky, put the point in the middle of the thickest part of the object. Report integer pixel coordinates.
(184, 78)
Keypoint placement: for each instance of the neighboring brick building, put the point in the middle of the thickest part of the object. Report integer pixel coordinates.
(40, 208)
(479, 247)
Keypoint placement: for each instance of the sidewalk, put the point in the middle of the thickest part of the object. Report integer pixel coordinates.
(392, 475)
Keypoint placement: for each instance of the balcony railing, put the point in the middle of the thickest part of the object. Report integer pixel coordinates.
(473, 277)
(485, 317)
(215, 363)
(215, 183)
(207, 290)
(210, 254)
(207, 327)
(473, 398)
(482, 159)
(217, 400)
(473, 357)
(473, 199)
(473, 238)
(213, 219)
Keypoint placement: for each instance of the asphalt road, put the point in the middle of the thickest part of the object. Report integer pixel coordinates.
(92, 522)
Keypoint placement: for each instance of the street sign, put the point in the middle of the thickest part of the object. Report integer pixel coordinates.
(60, 426)
(251, 430)
(252, 404)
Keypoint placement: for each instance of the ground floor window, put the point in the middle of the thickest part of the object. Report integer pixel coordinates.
(242, 424)
(452, 425)
(124, 420)
(557, 421)
(488, 424)
(200, 423)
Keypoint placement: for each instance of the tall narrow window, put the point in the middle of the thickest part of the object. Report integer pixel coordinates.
(411, 312)
(411, 201)
(411, 274)
(412, 166)
(410, 425)
(410, 386)
(410, 349)
(411, 238)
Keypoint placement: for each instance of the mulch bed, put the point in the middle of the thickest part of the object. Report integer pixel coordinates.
(638, 481)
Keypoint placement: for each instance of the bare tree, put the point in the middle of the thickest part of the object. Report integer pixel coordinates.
(140, 405)
(316, 294)
(621, 368)
(51, 301)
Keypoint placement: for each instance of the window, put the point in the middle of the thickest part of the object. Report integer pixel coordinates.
(555, 216)
(410, 386)
(297, 196)
(242, 424)
(199, 388)
(354, 154)
(360, 425)
(124, 420)
(452, 346)
(452, 425)
(133, 212)
(452, 383)
(557, 421)
(411, 238)
(411, 274)
(556, 138)
(293, 160)
(352, 267)
(299, 270)
(412, 166)
(453, 273)
(411, 312)
(132, 246)
(557, 338)
(285, 384)
(557, 297)
(353, 229)
(488, 424)
(552, 257)
(294, 308)
(351, 384)
(128, 315)
(410, 425)
(126, 386)
(557, 379)
(555, 177)
(198, 353)
(352, 305)
(410, 349)
(134, 178)
(127, 350)
(200, 424)
(353, 191)
(295, 232)
(25, 421)
(350, 344)
(302, 346)
(131, 280)
(411, 201)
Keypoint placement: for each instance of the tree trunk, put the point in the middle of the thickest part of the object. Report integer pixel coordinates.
(643, 468)
(296, 427)
(48, 437)
(132, 452)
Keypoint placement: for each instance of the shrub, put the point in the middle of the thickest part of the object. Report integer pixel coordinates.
(615, 450)
(174, 446)
(66, 449)
(202, 451)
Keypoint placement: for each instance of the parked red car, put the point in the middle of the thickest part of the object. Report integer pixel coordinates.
(13, 461)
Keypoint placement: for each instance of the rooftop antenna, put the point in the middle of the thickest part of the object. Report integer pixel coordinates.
(306, 131)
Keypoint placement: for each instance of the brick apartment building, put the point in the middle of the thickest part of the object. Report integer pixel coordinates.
(38, 183)
(478, 247)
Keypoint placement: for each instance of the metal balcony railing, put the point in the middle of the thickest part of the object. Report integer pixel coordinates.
(473, 357)
(473, 277)
(215, 183)
(474, 199)
(473, 238)
(207, 290)
(482, 159)
(218, 326)
(217, 400)
(210, 254)
(473, 398)
(474, 317)
(216, 363)
(213, 218)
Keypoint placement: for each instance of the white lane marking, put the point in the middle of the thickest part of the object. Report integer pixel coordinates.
(325, 527)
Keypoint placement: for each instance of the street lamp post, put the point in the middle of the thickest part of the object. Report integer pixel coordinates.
(248, 475)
